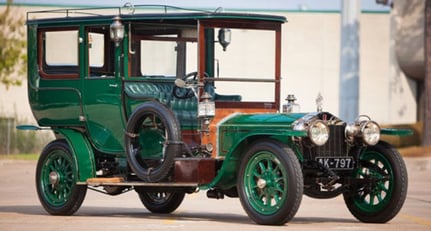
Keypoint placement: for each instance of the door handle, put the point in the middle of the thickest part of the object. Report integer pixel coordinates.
(113, 85)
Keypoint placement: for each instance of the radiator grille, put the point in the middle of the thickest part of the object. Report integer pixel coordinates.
(335, 146)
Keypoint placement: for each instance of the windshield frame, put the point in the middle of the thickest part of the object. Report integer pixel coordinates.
(204, 24)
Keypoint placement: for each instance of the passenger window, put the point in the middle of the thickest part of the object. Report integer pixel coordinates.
(96, 50)
(169, 54)
(61, 48)
(160, 58)
(58, 54)
(100, 52)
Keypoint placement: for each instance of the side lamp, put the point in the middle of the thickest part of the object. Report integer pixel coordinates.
(116, 30)
(206, 110)
(224, 37)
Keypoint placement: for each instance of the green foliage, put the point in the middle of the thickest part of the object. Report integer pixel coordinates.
(13, 56)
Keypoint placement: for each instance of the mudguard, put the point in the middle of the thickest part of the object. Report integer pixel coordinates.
(83, 152)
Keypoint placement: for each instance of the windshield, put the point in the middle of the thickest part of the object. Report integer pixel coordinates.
(236, 59)
(247, 66)
(163, 50)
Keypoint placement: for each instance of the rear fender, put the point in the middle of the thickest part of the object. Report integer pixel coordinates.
(82, 151)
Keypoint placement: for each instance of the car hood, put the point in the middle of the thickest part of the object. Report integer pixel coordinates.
(267, 122)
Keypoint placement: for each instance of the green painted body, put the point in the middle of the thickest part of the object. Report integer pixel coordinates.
(238, 132)
(239, 128)
(101, 106)
(92, 113)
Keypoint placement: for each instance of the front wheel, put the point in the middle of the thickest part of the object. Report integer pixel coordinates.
(56, 177)
(270, 183)
(383, 191)
(161, 202)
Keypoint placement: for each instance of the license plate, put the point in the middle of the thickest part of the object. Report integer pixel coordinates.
(340, 163)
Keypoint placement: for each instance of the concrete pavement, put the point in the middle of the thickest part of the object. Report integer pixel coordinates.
(21, 210)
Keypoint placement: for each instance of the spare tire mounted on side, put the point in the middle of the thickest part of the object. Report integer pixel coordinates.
(152, 140)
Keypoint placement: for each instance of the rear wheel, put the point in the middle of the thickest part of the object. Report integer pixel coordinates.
(56, 177)
(161, 202)
(270, 183)
(381, 196)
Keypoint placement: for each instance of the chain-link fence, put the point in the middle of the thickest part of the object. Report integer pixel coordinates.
(14, 141)
(6, 136)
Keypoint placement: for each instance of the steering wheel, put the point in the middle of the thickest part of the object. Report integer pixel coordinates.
(185, 93)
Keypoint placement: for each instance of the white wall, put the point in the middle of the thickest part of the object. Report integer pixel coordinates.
(310, 65)
(311, 62)
(310, 59)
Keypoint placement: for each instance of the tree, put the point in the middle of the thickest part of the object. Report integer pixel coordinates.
(13, 56)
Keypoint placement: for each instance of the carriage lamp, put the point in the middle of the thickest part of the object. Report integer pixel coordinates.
(317, 130)
(370, 132)
(224, 37)
(290, 105)
(363, 129)
(116, 30)
(206, 110)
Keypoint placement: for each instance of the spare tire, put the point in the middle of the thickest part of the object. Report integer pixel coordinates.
(152, 140)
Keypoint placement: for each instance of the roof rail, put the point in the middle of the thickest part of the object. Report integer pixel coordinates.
(127, 8)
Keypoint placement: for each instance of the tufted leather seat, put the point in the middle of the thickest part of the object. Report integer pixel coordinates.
(161, 89)
(184, 109)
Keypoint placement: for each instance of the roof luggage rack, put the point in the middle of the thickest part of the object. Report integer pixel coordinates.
(127, 8)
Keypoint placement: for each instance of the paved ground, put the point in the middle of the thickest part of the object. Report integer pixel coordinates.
(20, 208)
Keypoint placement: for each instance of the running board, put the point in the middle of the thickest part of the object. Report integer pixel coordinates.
(119, 181)
(188, 172)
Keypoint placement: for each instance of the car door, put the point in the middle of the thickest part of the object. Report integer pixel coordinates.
(102, 91)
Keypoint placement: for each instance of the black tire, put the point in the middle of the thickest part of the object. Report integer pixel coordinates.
(380, 200)
(152, 140)
(56, 177)
(161, 202)
(270, 171)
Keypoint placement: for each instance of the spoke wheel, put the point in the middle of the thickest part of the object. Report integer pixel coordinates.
(270, 183)
(153, 139)
(56, 176)
(161, 202)
(382, 196)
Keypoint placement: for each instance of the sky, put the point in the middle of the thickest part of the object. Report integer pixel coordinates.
(325, 5)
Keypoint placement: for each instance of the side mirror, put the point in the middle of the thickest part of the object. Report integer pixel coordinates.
(224, 37)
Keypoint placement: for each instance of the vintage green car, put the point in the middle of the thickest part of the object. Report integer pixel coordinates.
(164, 103)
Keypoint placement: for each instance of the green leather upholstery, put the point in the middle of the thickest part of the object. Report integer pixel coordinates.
(184, 109)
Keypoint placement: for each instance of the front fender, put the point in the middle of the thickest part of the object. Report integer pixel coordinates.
(238, 128)
(396, 132)
(237, 133)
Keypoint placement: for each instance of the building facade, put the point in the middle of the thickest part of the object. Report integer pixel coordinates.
(311, 66)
